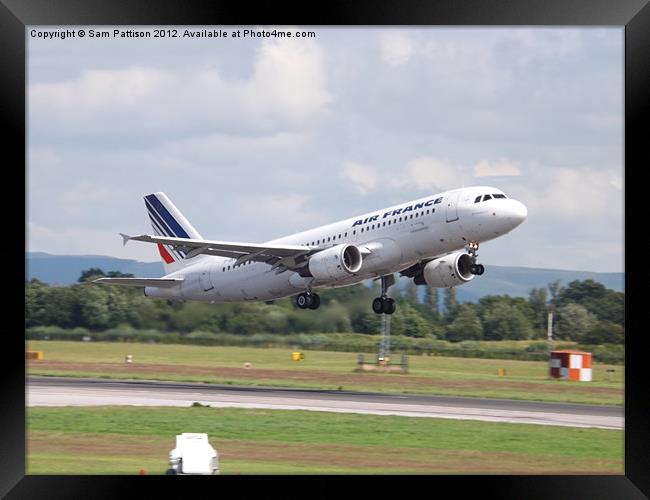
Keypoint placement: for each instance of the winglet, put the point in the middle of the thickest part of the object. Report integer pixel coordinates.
(125, 238)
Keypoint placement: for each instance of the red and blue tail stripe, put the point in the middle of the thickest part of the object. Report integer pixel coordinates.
(164, 224)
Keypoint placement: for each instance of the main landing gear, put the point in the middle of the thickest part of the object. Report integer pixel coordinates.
(384, 304)
(472, 250)
(308, 300)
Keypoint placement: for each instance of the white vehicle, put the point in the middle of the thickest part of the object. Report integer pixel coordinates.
(193, 455)
(433, 240)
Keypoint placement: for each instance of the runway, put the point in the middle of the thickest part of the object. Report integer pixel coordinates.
(64, 391)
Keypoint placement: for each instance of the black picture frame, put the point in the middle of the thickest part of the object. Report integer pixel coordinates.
(633, 15)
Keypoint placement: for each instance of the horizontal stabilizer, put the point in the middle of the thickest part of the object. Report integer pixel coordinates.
(158, 282)
(289, 256)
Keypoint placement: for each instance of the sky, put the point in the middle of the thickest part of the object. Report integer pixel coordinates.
(254, 138)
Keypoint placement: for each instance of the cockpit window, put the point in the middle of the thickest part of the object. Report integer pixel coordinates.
(487, 197)
(478, 198)
(499, 195)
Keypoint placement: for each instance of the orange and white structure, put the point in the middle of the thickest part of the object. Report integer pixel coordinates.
(571, 365)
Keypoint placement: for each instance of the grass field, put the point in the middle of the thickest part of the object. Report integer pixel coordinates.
(123, 440)
(321, 369)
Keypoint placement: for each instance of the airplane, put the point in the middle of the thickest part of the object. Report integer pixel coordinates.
(433, 240)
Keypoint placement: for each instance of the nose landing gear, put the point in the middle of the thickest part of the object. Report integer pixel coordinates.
(477, 269)
(308, 300)
(472, 250)
(384, 304)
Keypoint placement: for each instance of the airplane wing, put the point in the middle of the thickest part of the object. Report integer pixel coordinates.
(159, 282)
(281, 257)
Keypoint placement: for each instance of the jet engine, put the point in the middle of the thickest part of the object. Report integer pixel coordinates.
(447, 271)
(335, 263)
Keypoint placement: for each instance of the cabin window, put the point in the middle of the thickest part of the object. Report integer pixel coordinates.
(400, 219)
(346, 235)
(228, 268)
(362, 230)
(223, 269)
(354, 232)
(478, 198)
(487, 197)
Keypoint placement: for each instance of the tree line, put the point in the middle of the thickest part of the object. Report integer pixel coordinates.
(583, 311)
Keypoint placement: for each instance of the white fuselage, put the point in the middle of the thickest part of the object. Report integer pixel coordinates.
(393, 239)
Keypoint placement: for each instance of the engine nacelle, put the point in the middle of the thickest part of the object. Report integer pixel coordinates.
(448, 271)
(335, 263)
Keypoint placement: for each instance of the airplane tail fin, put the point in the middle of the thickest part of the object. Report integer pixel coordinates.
(167, 220)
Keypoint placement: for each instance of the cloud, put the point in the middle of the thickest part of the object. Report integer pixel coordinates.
(577, 201)
(362, 177)
(501, 168)
(79, 240)
(554, 44)
(396, 47)
(254, 139)
(428, 173)
(532, 85)
(286, 89)
(424, 173)
(291, 210)
(582, 193)
(290, 74)
(49, 160)
(211, 147)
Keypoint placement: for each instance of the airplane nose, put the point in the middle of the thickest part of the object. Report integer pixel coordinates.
(518, 212)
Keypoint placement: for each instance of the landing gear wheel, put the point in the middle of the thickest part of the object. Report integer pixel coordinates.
(480, 269)
(388, 306)
(308, 300)
(315, 301)
(474, 269)
(304, 301)
(383, 305)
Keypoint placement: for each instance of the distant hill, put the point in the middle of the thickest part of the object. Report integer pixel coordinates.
(518, 281)
(497, 280)
(66, 269)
